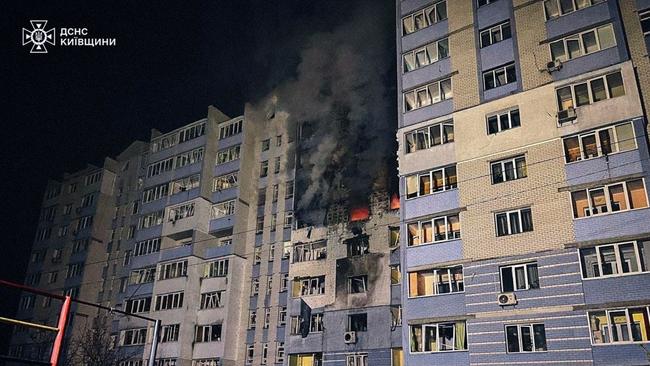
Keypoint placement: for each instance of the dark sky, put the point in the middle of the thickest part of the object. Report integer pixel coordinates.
(76, 105)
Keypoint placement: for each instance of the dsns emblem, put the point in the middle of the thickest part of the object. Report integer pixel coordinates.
(38, 36)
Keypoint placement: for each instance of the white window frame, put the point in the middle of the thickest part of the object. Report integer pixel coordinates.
(492, 29)
(171, 270)
(429, 59)
(520, 339)
(223, 209)
(424, 13)
(357, 359)
(498, 116)
(615, 143)
(513, 268)
(445, 186)
(217, 268)
(521, 222)
(578, 37)
(169, 301)
(629, 323)
(503, 163)
(493, 72)
(559, 8)
(228, 154)
(438, 344)
(619, 261)
(437, 85)
(225, 181)
(450, 276)
(230, 128)
(607, 195)
(428, 131)
(432, 220)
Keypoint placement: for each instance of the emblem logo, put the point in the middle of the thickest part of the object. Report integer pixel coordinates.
(38, 36)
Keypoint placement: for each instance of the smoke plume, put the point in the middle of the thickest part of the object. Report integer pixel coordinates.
(339, 89)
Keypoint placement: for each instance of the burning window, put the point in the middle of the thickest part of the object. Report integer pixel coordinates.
(358, 246)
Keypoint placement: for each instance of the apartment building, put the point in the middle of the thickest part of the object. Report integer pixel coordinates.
(344, 282)
(73, 246)
(524, 181)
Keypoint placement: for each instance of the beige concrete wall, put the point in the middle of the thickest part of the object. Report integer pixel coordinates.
(530, 28)
(462, 47)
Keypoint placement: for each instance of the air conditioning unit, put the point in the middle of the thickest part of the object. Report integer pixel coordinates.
(555, 65)
(350, 337)
(506, 298)
(566, 115)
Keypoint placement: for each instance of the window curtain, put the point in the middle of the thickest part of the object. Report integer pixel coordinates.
(461, 337)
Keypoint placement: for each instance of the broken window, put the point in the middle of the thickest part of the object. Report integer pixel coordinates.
(436, 281)
(519, 277)
(208, 333)
(316, 323)
(395, 275)
(231, 128)
(424, 18)
(358, 322)
(181, 212)
(425, 55)
(223, 209)
(228, 154)
(357, 284)
(427, 95)
(310, 251)
(394, 237)
(358, 245)
(308, 286)
(225, 181)
(211, 300)
(266, 144)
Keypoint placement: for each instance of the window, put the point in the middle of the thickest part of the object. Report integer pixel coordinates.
(525, 338)
(615, 197)
(181, 212)
(503, 121)
(56, 190)
(495, 34)
(165, 362)
(276, 165)
(625, 325)
(164, 142)
(357, 322)
(84, 222)
(426, 55)
(208, 333)
(142, 275)
(279, 352)
(274, 221)
(141, 305)
(52, 276)
(427, 137)
(433, 230)
(514, 222)
(357, 246)
(250, 353)
(169, 333)
(255, 286)
(67, 209)
(284, 282)
(259, 225)
(172, 270)
(146, 247)
(265, 353)
(252, 319)
(310, 251)
(228, 154)
(288, 193)
(269, 284)
(424, 18)
(556, 8)
(160, 167)
(519, 277)
(223, 209)
(509, 169)
(43, 234)
(594, 90)
(286, 250)
(264, 168)
(583, 43)
(357, 284)
(436, 281)
(151, 219)
(356, 360)
(426, 183)
(275, 192)
(267, 317)
(132, 363)
(499, 76)
(132, 337)
(395, 275)
(308, 286)
(27, 302)
(72, 188)
(437, 337)
(92, 178)
(396, 315)
(261, 196)
(427, 95)
(63, 231)
(185, 184)
(73, 292)
(266, 144)
(257, 255)
(600, 142)
(218, 268)
(225, 181)
(169, 301)
(480, 3)
(282, 316)
(306, 359)
(188, 158)
(206, 362)
(192, 132)
(230, 128)
(271, 252)
(74, 270)
(86, 201)
(394, 237)
(288, 219)
(615, 259)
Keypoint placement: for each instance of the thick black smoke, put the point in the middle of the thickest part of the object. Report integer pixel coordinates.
(340, 89)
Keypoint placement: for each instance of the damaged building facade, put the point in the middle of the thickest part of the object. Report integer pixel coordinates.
(524, 169)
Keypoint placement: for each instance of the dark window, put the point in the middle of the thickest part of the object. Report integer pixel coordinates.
(358, 322)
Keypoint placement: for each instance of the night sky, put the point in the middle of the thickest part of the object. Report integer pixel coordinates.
(76, 105)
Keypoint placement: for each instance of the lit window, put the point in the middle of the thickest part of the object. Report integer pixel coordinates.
(436, 281)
